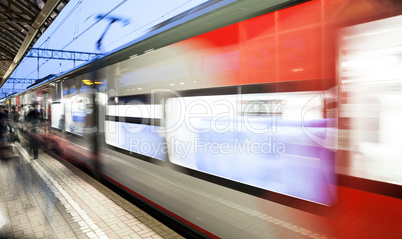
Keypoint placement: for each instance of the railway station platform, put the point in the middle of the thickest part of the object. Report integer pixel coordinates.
(47, 198)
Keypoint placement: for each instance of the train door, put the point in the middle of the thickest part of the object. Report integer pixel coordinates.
(371, 99)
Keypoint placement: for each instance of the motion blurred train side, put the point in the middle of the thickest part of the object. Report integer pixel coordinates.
(285, 124)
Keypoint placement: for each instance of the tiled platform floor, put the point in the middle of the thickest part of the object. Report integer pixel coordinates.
(44, 198)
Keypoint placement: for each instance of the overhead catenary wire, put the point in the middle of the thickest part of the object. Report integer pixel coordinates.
(58, 26)
(76, 29)
(62, 22)
(99, 20)
(149, 23)
(74, 39)
(96, 22)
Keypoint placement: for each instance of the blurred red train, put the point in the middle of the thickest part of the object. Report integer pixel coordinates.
(253, 120)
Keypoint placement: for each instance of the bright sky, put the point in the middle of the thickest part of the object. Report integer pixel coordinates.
(76, 29)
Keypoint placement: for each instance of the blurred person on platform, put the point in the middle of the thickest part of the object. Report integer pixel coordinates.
(14, 121)
(33, 120)
(6, 109)
(24, 111)
(3, 124)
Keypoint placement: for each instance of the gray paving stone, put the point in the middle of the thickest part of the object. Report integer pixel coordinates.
(77, 207)
(136, 236)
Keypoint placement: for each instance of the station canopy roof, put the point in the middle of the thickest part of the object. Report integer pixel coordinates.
(22, 22)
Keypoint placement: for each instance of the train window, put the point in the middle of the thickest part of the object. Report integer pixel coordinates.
(57, 115)
(371, 86)
(272, 141)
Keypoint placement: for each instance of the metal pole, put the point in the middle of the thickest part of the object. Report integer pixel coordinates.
(38, 65)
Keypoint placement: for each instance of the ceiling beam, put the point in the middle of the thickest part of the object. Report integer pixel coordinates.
(15, 19)
(6, 52)
(24, 10)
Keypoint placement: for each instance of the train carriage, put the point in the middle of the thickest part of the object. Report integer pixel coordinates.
(233, 128)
